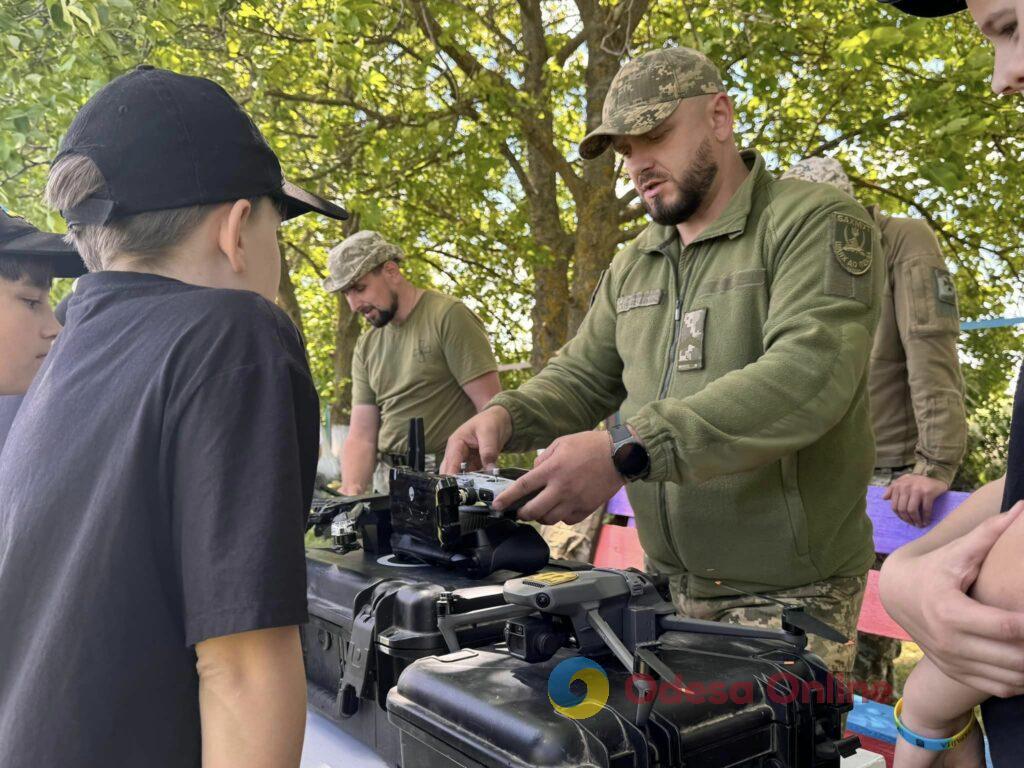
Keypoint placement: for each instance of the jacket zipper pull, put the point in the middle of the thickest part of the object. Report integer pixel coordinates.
(679, 310)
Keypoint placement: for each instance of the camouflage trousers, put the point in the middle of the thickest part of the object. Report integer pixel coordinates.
(835, 601)
(876, 658)
(574, 542)
(876, 655)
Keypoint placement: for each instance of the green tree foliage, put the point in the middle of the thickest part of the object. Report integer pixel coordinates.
(452, 128)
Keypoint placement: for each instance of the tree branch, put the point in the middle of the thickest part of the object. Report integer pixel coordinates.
(632, 213)
(517, 168)
(569, 48)
(627, 235)
(309, 259)
(822, 148)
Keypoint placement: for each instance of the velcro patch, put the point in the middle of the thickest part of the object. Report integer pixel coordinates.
(691, 341)
(851, 243)
(642, 299)
(945, 289)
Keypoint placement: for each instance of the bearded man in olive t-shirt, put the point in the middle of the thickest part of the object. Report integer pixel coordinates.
(426, 355)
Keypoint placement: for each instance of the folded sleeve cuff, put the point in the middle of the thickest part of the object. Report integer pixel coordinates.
(658, 446)
(519, 414)
(936, 471)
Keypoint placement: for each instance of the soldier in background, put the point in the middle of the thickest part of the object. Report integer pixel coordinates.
(427, 355)
(916, 389)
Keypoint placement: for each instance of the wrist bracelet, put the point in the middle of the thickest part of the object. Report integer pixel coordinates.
(933, 745)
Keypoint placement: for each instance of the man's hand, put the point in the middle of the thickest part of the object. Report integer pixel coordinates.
(575, 476)
(913, 496)
(478, 442)
(980, 646)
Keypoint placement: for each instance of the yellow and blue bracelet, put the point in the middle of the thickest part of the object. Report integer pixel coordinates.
(934, 745)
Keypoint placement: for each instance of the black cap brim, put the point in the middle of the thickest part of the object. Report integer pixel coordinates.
(928, 8)
(298, 201)
(43, 245)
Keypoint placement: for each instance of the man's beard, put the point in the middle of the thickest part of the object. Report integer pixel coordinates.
(690, 192)
(383, 316)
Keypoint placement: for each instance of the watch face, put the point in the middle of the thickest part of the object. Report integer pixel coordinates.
(631, 460)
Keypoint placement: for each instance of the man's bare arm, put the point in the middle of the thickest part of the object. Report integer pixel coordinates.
(252, 699)
(359, 454)
(481, 389)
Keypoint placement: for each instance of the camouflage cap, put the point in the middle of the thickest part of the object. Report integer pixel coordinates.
(647, 90)
(356, 255)
(824, 170)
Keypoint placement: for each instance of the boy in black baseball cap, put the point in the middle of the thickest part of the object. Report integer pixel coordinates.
(29, 259)
(151, 589)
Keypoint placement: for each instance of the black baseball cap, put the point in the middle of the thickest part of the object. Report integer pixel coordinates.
(929, 8)
(21, 239)
(164, 140)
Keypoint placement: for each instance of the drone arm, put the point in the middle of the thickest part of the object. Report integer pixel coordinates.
(701, 627)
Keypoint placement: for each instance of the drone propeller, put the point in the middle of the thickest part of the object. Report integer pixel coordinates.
(794, 616)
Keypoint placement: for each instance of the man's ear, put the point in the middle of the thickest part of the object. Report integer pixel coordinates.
(391, 271)
(229, 234)
(721, 113)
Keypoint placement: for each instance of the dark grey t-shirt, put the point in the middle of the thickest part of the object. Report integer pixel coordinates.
(8, 410)
(153, 493)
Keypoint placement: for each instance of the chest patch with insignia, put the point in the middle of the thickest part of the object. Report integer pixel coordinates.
(851, 243)
(423, 350)
(642, 299)
(691, 341)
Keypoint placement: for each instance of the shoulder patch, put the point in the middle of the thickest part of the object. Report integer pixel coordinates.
(851, 243)
(945, 290)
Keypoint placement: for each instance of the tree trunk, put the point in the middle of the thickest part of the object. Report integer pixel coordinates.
(346, 333)
(609, 30)
(550, 312)
(286, 298)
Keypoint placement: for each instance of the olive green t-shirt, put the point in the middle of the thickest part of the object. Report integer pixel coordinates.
(418, 368)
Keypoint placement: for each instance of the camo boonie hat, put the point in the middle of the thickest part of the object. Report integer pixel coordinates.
(647, 90)
(356, 255)
(823, 170)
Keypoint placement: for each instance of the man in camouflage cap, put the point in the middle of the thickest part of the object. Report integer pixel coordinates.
(732, 336)
(426, 355)
(915, 385)
(354, 256)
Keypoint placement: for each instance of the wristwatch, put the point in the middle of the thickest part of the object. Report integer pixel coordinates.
(628, 454)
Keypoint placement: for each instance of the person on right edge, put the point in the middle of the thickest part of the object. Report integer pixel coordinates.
(959, 590)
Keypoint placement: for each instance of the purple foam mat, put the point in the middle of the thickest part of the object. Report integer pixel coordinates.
(890, 532)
